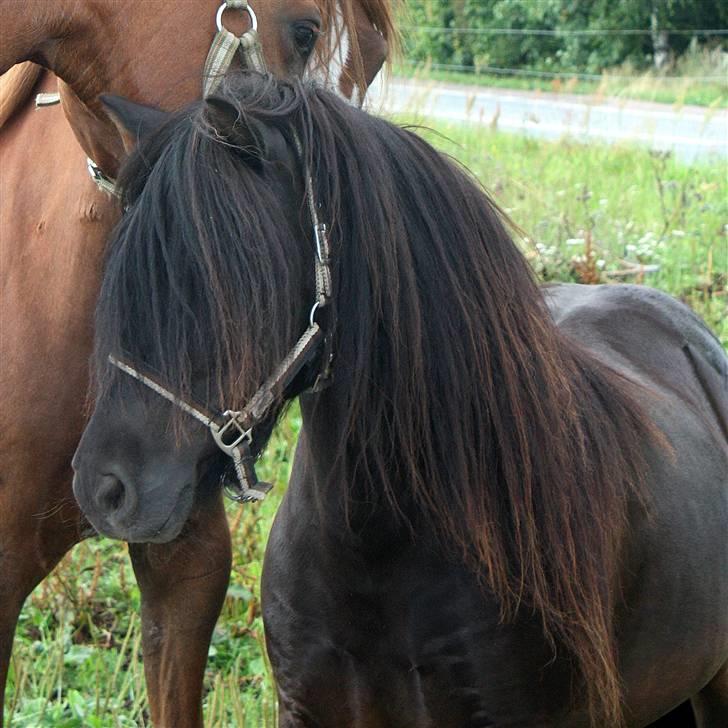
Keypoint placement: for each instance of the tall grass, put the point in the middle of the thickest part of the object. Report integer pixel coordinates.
(590, 213)
(596, 213)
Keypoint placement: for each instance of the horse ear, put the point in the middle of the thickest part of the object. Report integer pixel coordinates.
(255, 141)
(134, 121)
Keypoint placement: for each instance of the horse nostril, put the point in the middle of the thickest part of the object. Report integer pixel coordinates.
(111, 494)
(114, 499)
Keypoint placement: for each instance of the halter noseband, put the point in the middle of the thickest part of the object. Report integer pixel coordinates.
(233, 432)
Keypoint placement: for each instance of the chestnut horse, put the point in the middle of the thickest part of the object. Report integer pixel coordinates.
(54, 223)
(509, 506)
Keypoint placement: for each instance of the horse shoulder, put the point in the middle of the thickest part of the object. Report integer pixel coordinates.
(406, 638)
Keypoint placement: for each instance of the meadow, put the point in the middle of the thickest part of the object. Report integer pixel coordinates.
(588, 214)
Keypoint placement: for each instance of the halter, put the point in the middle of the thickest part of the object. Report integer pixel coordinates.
(219, 59)
(226, 44)
(234, 430)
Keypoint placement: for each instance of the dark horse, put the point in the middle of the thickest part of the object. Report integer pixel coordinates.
(510, 507)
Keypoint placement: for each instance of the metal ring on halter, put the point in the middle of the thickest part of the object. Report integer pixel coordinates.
(311, 316)
(247, 9)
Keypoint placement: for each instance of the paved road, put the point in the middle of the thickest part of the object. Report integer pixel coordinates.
(691, 132)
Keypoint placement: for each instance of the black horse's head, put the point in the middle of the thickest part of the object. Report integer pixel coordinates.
(208, 282)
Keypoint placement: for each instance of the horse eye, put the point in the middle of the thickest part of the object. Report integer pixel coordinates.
(305, 36)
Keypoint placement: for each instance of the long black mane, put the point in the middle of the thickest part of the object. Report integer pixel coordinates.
(520, 451)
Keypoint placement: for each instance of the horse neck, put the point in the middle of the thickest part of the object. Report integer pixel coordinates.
(62, 36)
(353, 514)
(98, 47)
(27, 30)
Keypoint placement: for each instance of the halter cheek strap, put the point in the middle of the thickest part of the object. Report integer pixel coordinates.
(233, 430)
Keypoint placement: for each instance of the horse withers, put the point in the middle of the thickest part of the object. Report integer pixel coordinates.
(54, 224)
(508, 506)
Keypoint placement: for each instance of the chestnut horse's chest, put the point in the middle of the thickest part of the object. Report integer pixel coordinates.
(53, 222)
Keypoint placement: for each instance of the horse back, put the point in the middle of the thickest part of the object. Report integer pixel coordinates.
(652, 339)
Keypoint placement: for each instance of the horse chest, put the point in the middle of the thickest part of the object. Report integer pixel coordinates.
(410, 643)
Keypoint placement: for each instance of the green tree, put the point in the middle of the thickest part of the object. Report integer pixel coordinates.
(568, 52)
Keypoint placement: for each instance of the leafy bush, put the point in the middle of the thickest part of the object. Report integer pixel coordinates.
(435, 32)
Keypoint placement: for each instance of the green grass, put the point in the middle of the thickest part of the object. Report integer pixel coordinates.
(77, 654)
(601, 213)
(589, 213)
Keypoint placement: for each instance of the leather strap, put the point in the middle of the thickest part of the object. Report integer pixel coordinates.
(226, 44)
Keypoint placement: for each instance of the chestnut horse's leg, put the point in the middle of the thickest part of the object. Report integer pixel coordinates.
(54, 223)
(38, 526)
(183, 585)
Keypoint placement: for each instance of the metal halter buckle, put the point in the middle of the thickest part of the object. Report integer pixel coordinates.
(321, 233)
(104, 183)
(230, 436)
